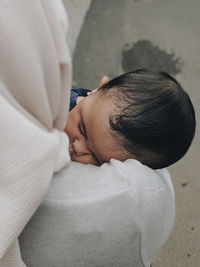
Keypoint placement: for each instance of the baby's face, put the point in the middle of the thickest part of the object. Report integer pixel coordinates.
(88, 129)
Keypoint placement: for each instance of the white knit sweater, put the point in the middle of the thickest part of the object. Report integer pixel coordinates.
(35, 77)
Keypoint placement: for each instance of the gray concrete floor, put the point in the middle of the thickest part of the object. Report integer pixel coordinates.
(115, 36)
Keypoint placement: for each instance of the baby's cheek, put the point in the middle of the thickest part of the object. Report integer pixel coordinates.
(86, 159)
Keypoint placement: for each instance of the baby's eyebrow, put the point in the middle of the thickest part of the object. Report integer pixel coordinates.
(85, 131)
(84, 128)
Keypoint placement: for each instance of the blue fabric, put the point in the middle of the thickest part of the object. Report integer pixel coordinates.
(75, 92)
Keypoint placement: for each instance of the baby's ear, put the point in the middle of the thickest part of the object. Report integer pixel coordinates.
(103, 81)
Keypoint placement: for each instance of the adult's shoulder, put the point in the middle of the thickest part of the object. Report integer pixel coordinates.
(154, 192)
(101, 216)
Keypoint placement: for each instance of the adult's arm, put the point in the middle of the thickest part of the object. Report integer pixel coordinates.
(35, 77)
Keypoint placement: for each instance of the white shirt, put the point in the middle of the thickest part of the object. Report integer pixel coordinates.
(119, 214)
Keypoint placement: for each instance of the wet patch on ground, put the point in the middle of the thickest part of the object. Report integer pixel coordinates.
(143, 54)
(184, 184)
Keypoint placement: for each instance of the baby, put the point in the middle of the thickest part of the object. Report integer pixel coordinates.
(144, 115)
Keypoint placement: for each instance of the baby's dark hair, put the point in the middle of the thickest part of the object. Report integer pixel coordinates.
(155, 118)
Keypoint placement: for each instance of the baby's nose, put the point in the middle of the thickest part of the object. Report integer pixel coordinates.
(80, 148)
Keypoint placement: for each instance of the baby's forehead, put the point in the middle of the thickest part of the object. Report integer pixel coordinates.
(112, 98)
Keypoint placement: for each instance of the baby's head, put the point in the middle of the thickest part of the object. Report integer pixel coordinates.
(143, 115)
